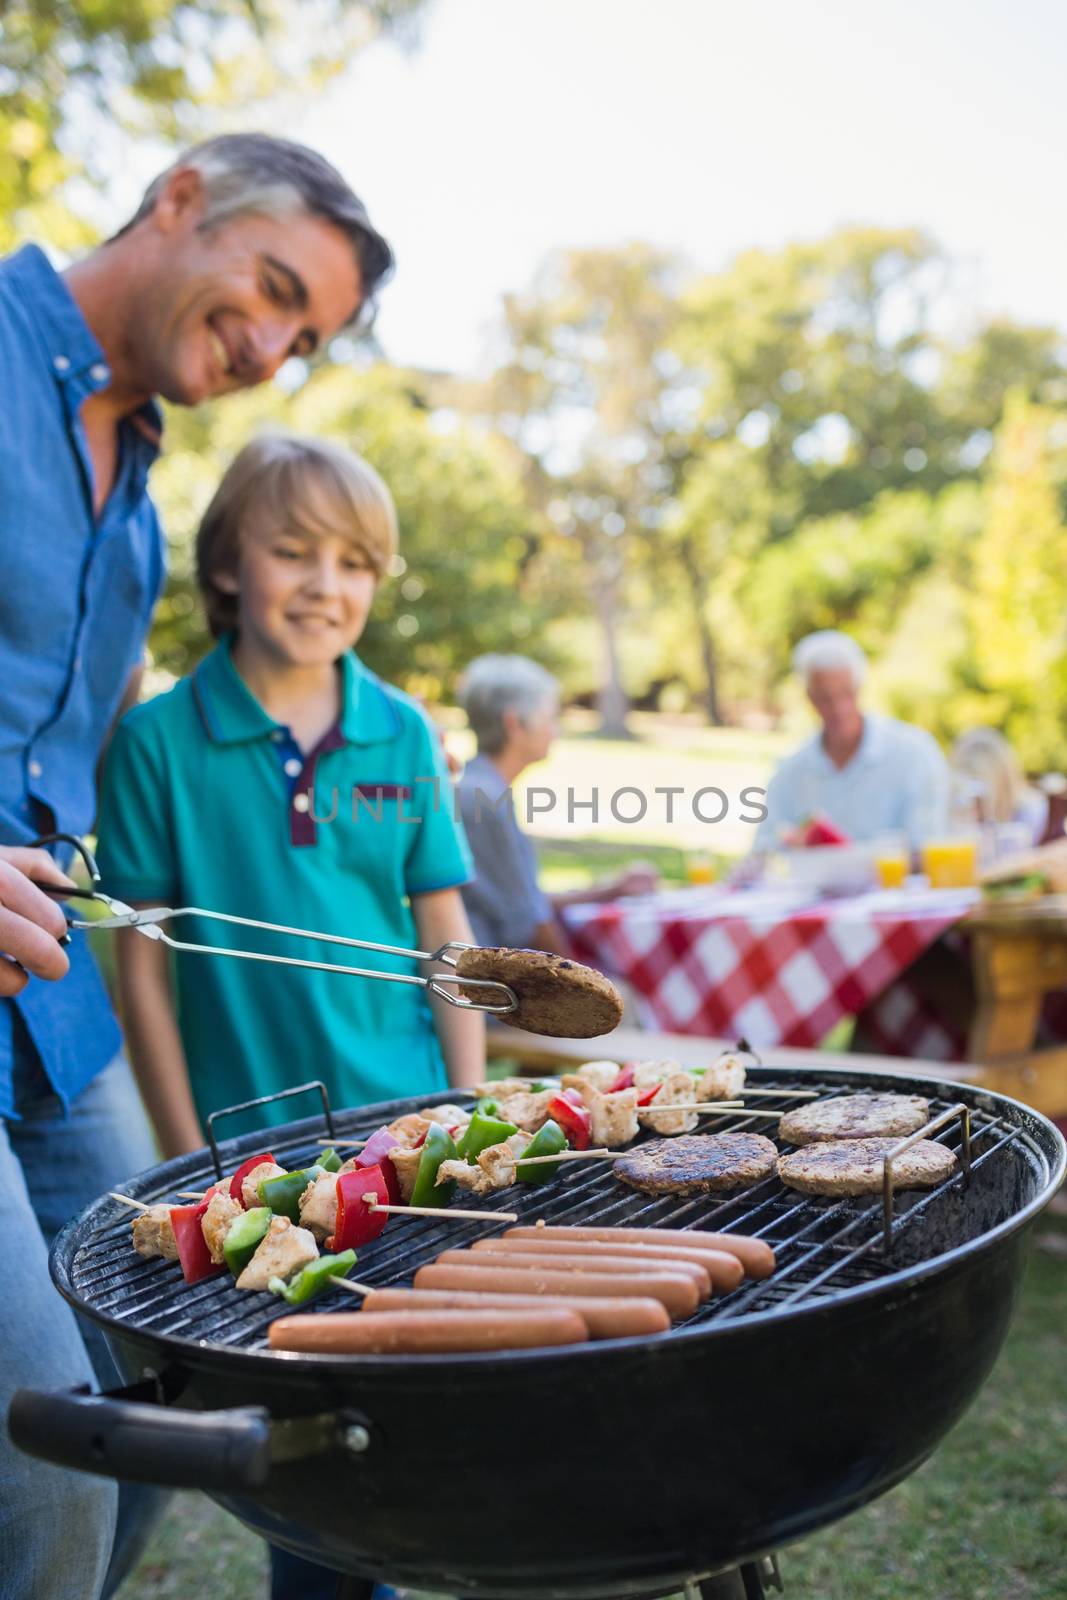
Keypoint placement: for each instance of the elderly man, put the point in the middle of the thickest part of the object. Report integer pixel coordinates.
(245, 252)
(512, 705)
(869, 774)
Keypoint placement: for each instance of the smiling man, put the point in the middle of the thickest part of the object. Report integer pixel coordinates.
(245, 252)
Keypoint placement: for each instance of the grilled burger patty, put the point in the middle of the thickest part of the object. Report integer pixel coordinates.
(698, 1163)
(855, 1166)
(855, 1116)
(557, 997)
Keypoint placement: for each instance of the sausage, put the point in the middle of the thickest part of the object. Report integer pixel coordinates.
(605, 1319)
(426, 1332)
(525, 1261)
(756, 1257)
(724, 1270)
(678, 1294)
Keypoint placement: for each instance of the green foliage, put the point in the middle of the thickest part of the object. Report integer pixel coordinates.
(168, 69)
(468, 582)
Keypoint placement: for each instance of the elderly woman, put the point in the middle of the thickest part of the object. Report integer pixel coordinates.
(985, 756)
(512, 705)
(869, 774)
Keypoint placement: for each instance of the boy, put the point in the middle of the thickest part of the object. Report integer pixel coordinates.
(279, 782)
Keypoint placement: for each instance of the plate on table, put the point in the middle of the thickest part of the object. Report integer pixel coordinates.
(831, 869)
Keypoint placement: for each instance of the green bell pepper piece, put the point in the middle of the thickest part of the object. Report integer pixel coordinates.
(437, 1148)
(482, 1131)
(329, 1160)
(314, 1278)
(490, 1107)
(549, 1140)
(283, 1194)
(243, 1237)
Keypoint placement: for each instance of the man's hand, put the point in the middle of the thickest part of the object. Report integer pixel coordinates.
(30, 923)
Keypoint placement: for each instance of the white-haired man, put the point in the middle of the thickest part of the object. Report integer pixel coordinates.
(248, 250)
(868, 774)
(512, 705)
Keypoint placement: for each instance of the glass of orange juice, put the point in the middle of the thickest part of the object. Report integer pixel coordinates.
(891, 860)
(699, 868)
(951, 862)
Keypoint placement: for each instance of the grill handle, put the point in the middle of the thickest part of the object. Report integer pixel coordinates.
(119, 1435)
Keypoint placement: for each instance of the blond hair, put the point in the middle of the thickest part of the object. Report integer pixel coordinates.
(984, 754)
(277, 476)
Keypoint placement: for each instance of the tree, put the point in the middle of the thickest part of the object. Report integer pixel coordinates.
(1016, 669)
(168, 69)
(582, 395)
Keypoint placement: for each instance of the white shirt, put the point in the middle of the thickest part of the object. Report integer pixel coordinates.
(897, 782)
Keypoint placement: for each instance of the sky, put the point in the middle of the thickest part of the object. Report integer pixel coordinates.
(518, 127)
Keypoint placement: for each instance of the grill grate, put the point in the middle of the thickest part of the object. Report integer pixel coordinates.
(823, 1247)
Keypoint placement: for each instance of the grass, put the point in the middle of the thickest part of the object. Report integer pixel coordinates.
(984, 1519)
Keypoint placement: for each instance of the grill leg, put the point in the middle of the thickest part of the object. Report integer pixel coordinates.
(753, 1581)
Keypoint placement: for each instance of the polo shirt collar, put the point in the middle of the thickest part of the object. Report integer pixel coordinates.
(232, 715)
(74, 356)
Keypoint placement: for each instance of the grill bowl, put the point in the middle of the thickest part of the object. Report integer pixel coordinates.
(622, 1467)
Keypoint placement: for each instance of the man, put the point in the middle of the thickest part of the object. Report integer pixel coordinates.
(868, 774)
(512, 705)
(247, 251)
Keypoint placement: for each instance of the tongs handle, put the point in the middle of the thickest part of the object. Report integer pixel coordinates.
(147, 922)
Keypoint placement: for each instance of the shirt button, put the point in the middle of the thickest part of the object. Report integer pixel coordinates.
(100, 373)
(293, 767)
(277, 736)
(35, 769)
(61, 363)
(301, 802)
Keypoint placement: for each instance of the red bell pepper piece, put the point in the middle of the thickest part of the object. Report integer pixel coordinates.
(575, 1121)
(573, 1095)
(357, 1223)
(818, 830)
(625, 1080)
(193, 1253)
(375, 1153)
(242, 1173)
(646, 1097)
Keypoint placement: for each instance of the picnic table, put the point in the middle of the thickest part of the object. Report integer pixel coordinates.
(928, 973)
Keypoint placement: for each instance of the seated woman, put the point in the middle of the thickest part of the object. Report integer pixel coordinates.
(985, 755)
(512, 705)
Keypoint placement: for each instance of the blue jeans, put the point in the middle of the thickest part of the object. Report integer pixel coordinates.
(63, 1535)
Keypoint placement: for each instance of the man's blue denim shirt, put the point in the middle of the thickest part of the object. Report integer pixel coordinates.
(76, 596)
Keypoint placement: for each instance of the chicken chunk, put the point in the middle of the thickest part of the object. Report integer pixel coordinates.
(646, 1073)
(406, 1167)
(527, 1111)
(519, 1142)
(253, 1179)
(613, 1117)
(282, 1252)
(498, 1165)
(472, 1179)
(723, 1080)
(215, 1223)
(677, 1087)
(153, 1234)
(501, 1088)
(449, 1116)
(318, 1205)
(409, 1130)
(599, 1075)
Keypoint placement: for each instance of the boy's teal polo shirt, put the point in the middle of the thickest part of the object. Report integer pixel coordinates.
(207, 801)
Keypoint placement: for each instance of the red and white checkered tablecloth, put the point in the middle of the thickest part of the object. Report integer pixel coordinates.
(773, 968)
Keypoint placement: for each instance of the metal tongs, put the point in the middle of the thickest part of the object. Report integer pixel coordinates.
(147, 921)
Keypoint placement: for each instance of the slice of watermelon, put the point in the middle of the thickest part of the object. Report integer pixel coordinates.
(820, 830)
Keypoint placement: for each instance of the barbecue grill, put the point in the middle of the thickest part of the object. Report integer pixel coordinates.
(617, 1468)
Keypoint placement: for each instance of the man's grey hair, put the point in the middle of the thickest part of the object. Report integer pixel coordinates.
(493, 685)
(829, 651)
(247, 174)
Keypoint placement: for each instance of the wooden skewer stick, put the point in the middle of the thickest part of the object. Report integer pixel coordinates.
(190, 1194)
(787, 1094)
(442, 1213)
(347, 1144)
(737, 1106)
(128, 1200)
(353, 1287)
(565, 1155)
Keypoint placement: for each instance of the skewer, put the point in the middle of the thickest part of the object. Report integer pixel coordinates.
(787, 1094)
(443, 1213)
(347, 1144)
(128, 1200)
(189, 1194)
(565, 1155)
(353, 1287)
